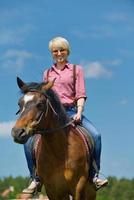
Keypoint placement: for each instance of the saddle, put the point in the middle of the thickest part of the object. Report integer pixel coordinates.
(86, 136)
(89, 144)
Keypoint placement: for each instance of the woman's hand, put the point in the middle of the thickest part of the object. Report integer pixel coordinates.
(77, 117)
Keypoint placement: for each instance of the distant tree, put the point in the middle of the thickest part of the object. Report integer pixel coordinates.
(17, 183)
(118, 189)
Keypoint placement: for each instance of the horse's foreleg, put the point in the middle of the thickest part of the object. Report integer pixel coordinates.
(54, 195)
(80, 189)
(90, 192)
(67, 198)
(80, 196)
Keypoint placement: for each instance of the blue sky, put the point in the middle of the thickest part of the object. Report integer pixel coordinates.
(101, 38)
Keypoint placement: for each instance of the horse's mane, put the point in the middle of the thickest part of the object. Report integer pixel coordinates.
(53, 98)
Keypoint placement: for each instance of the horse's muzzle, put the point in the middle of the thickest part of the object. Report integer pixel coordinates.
(19, 135)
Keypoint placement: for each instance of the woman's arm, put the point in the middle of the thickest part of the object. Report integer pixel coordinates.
(80, 108)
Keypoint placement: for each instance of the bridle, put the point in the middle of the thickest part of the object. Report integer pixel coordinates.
(44, 114)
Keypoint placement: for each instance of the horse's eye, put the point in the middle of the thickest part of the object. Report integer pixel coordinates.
(40, 106)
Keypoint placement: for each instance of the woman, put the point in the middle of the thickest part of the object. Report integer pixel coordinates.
(73, 99)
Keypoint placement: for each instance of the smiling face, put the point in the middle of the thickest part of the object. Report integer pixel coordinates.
(59, 54)
(60, 49)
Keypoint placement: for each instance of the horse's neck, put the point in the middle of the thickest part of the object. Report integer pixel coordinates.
(55, 142)
(53, 124)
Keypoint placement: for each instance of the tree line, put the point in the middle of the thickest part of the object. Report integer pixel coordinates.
(118, 189)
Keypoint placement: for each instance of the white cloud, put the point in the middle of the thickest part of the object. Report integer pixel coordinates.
(5, 128)
(15, 35)
(15, 59)
(97, 70)
(124, 102)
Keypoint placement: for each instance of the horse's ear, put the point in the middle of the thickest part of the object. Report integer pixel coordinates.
(48, 85)
(20, 83)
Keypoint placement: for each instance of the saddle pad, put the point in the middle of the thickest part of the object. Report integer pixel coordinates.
(87, 135)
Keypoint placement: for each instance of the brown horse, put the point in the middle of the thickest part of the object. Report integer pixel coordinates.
(61, 156)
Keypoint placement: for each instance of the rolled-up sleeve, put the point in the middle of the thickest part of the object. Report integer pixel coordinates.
(44, 77)
(80, 83)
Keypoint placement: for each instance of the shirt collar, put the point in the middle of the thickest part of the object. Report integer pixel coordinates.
(53, 67)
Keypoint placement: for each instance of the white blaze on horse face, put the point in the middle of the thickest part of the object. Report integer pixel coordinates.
(27, 98)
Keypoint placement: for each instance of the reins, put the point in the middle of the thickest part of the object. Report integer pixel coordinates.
(42, 131)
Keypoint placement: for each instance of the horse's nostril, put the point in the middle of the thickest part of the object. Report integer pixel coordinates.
(21, 133)
(17, 132)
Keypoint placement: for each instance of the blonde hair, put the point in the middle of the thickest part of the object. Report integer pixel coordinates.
(59, 42)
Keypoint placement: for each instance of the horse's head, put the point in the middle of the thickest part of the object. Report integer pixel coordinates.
(33, 107)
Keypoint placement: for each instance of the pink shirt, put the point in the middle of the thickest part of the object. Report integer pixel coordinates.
(64, 85)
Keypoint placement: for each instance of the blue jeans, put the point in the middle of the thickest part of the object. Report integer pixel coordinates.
(28, 149)
(88, 125)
